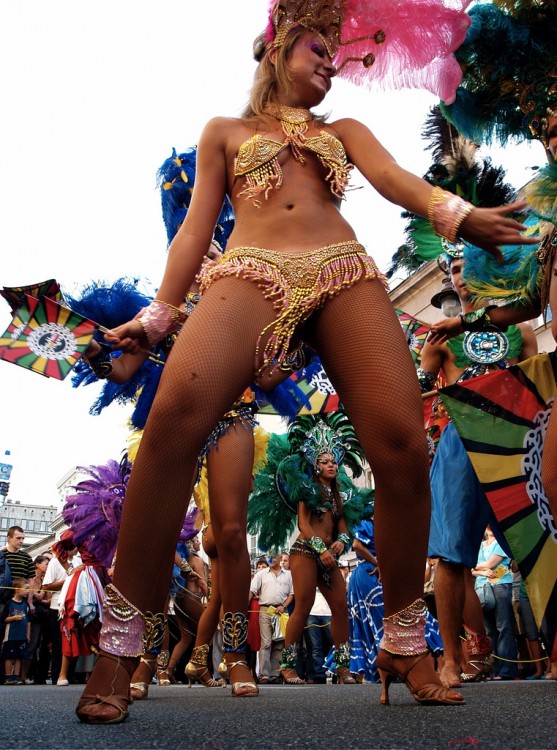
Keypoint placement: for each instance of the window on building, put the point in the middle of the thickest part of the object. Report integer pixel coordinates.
(3, 523)
(43, 526)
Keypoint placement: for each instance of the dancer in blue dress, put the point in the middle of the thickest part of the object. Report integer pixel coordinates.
(366, 608)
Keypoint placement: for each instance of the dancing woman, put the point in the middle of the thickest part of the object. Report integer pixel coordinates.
(294, 263)
(302, 475)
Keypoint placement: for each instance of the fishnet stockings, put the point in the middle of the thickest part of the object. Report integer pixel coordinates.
(210, 365)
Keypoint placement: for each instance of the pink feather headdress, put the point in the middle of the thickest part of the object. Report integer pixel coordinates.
(391, 43)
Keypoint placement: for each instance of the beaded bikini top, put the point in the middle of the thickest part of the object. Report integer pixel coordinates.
(257, 158)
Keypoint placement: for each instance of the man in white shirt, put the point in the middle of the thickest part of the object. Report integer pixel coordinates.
(273, 586)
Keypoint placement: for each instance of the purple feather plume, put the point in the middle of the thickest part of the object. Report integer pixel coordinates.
(95, 511)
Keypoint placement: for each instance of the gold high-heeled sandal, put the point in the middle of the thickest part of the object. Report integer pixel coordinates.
(288, 664)
(139, 690)
(234, 626)
(196, 669)
(241, 689)
(403, 647)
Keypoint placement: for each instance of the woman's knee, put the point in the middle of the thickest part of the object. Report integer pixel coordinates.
(230, 537)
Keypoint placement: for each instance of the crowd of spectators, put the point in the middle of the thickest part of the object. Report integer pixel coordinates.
(31, 633)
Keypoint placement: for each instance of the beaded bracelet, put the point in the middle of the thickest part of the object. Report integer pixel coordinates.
(101, 364)
(160, 318)
(446, 212)
(317, 544)
(344, 538)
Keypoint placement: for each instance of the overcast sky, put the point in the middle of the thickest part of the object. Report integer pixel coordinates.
(94, 97)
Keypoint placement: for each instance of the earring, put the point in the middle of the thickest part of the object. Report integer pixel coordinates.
(318, 470)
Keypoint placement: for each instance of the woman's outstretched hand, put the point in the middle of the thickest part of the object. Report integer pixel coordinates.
(129, 337)
(489, 228)
(444, 330)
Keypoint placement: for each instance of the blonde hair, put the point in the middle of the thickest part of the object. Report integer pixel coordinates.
(271, 76)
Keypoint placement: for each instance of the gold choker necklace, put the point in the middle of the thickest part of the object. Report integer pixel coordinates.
(291, 115)
(294, 123)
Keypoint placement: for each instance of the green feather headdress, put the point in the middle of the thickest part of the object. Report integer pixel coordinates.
(288, 478)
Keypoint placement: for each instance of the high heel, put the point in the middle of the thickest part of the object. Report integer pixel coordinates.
(165, 677)
(288, 664)
(403, 648)
(478, 648)
(126, 635)
(139, 690)
(342, 660)
(234, 627)
(392, 667)
(344, 676)
(196, 669)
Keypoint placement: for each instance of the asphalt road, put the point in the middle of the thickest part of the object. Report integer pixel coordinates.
(497, 716)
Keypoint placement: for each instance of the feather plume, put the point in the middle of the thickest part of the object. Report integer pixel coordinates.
(518, 279)
(541, 193)
(94, 512)
(176, 179)
(411, 42)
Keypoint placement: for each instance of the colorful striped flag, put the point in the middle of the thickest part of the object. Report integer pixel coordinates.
(501, 419)
(46, 337)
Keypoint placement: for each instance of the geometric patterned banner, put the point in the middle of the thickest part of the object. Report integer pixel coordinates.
(501, 419)
(46, 337)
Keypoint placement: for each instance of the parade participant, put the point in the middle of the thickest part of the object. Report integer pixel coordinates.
(460, 512)
(80, 603)
(302, 475)
(134, 377)
(366, 609)
(285, 170)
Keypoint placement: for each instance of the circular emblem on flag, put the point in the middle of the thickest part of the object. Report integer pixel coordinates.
(52, 341)
(486, 347)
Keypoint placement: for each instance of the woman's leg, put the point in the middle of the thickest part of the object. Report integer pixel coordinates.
(210, 365)
(198, 668)
(304, 583)
(230, 476)
(364, 352)
(188, 610)
(336, 598)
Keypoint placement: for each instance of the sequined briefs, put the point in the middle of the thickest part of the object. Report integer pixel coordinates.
(297, 283)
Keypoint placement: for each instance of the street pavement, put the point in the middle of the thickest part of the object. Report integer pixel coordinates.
(497, 716)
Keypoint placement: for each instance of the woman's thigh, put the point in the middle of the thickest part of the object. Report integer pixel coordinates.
(365, 354)
(212, 360)
(229, 473)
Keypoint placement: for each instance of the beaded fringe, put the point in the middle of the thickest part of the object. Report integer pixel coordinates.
(297, 284)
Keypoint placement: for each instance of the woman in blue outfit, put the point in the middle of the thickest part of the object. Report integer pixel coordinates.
(366, 608)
